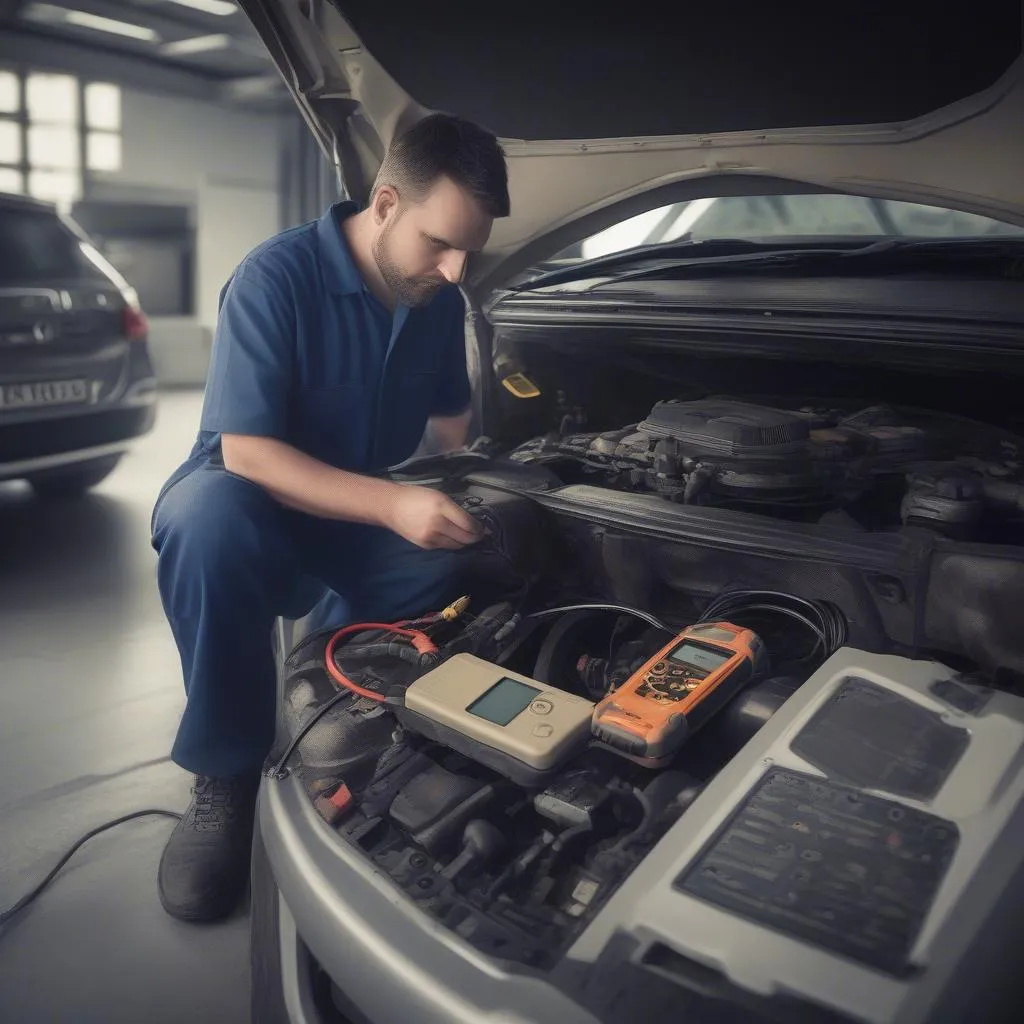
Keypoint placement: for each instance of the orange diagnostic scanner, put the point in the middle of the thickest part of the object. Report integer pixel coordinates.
(650, 716)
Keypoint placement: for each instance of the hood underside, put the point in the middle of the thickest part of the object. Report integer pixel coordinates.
(602, 119)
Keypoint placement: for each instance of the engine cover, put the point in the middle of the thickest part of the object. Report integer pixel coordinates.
(722, 449)
(957, 477)
(859, 854)
(732, 430)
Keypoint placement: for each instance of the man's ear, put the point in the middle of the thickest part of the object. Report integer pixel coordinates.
(383, 204)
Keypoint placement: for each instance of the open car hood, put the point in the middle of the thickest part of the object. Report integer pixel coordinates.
(601, 121)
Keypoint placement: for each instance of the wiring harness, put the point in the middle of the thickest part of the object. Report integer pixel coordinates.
(408, 641)
(822, 619)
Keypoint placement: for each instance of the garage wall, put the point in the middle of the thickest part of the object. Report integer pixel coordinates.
(234, 217)
(174, 149)
(224, 165)
(174, 143)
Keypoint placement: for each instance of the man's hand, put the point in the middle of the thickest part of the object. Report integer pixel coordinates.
(424, 517)
(430, 519)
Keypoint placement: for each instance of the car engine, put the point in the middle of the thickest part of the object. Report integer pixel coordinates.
(907, 692)
(864, 724)
(514, 869)
(824, 810)
(881, 466)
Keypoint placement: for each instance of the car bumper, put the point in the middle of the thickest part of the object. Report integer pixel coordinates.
(386, 956)
(43, 439)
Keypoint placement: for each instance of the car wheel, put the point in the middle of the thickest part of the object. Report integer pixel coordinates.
(266, 992)
(73, 481)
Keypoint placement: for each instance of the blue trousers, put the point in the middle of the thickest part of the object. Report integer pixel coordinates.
(231, 559)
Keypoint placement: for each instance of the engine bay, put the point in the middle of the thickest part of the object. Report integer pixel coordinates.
(877, 551)
(515, 867)
(520, 864)
(873, 468)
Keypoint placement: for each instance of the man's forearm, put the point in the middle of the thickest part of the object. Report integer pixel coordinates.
(303, 483)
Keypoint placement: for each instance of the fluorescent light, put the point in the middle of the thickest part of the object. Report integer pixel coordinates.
(117, 28)
(197, 44)
(48, 14)
(219, 7)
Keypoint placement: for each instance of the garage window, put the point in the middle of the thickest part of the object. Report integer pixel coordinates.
(11, 156)
(54, 158)
(102, 127)
(56, 130)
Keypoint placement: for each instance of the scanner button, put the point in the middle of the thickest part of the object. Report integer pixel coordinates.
(543, 730)
(541, 706)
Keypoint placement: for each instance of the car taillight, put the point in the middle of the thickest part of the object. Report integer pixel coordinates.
(136, 327)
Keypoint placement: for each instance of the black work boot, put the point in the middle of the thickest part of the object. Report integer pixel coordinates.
(205, 864)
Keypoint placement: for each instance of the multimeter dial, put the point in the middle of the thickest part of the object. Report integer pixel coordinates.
(672, 679)
(667, 689)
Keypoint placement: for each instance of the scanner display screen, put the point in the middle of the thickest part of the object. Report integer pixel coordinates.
(503, 701)
(699, 657)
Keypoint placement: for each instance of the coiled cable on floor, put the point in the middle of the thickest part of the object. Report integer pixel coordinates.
(29, 897)
(822, 619)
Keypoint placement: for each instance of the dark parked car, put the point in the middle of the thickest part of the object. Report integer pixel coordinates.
(76, 381)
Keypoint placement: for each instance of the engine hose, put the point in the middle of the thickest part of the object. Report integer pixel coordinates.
(562, 843)
(508, 628)
(646, 820)
(698, 480)
(518, 867)
(394, 649)
(420, 643)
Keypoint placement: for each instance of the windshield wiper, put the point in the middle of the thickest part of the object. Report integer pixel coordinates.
(669, 252)
(888, 253)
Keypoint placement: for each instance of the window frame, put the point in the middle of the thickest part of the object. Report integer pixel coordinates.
(85, 176)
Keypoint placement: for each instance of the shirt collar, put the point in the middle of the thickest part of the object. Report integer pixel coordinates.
(341, 275)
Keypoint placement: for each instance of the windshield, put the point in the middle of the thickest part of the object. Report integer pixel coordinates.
(757, 218)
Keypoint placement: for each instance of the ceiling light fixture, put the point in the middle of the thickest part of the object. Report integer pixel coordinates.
(49, 14)
(221, 8)
(197, 44)
(117, 28)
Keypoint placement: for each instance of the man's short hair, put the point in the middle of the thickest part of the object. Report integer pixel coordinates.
(443, 145)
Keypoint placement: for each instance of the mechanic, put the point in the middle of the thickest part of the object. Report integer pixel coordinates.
(338, 344)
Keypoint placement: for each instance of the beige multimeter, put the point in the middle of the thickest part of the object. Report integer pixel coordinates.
(480, 705)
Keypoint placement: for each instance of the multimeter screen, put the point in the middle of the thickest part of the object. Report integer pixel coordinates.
(699, 657)
(503, 701)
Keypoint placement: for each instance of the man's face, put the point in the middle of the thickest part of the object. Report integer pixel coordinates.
(421, 247)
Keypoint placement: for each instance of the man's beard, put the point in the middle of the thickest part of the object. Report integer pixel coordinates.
(410, 291)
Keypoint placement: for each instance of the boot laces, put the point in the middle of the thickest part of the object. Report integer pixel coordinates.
(218, 803)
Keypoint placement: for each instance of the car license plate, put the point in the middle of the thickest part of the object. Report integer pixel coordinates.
(40, 393)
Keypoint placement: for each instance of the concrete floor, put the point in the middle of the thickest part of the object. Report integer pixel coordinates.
(90, 695)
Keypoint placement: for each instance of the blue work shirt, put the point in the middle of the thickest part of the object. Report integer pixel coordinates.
(305, 353)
